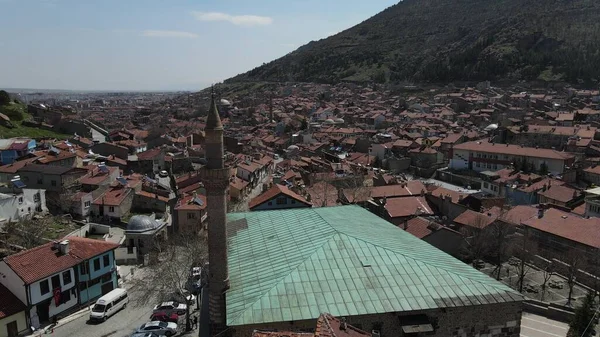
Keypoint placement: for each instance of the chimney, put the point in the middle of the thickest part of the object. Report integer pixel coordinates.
(63, 247)
(343, 324)
(540, 212)
(405, 224)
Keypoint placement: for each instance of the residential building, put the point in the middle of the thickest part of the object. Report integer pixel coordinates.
(21, 203)
(13, 148)
(113, 204)
(190, 213)
(482, 155)
(278, 197)
(48, 279)
(50, 178)
(13, 320)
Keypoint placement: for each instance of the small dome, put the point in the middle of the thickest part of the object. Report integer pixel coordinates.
(328, 121)
(225, 102)
(491, 127)
(292, 148)
(339, 121)
(141, 223)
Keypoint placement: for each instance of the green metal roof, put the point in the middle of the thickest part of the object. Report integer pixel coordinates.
(295, 264)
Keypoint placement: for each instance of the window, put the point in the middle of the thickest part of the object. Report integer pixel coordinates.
(37, 197)
(53, 183)
(111, 209)
(20, 200)
(486, 185)
(96, 264)
(87, 204)
(191, 216)
(55, 281)
(83, 268)
(106, 277)
(293, 201)
(67, 277)
(270, 203)
(281, 201)
(106, 260)
(38, 208)
(129, 249)
(82, 285)
(44, 287)
(40, 181)
(65, 296)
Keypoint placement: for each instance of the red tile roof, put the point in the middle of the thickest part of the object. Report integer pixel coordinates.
(418, 227)
(10, 304)
(113, 197)
(42, 261)
(152, 196)
(560, 193)
(568, 226)
(188, 204)
(329, 326)
(477, 220)
(273, 192)
(408, 206)
(512, 150)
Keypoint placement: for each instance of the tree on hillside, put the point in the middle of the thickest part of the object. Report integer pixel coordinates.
(581, 325)
(169, 277)
(4, 98)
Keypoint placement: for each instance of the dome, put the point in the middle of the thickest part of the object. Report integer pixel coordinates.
(491, 127)
(328, 121)
(225, 102)
(142, 223)
(292, 148)
(340, 121)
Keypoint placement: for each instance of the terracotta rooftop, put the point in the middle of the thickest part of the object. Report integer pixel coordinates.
(188, 203)
(512, 150)
(418, 227)
(42, 261)
(113, 197)
(408, 206)
(568, 226)
(560, 193)
(273, 192)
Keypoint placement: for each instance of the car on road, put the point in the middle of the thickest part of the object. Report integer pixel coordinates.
(163, 173)
(146, 334)
(162, 328)
(171, 306)
(165, 317)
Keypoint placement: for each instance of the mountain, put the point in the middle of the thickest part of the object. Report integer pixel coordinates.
(453, 40)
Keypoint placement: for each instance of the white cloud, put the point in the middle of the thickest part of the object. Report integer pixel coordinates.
(239, 20)
(169, 33)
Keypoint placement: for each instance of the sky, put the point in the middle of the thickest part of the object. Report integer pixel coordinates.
(158, 44)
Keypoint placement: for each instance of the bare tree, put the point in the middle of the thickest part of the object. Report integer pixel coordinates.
(547, 272)
(574, 261)
(29, 233)
(170, 275)
(500, 234)
(477, 239)
(524, 249)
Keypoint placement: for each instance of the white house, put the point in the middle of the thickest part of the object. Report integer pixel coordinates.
(45, 278)
(19, 204)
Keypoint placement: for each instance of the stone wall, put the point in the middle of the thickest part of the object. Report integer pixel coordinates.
(493, 320)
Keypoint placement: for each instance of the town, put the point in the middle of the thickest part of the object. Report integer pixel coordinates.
(324, 185)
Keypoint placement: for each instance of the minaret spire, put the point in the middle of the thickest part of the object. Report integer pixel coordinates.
(215, 177)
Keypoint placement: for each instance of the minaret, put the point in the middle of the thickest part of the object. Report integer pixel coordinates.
(215, 176)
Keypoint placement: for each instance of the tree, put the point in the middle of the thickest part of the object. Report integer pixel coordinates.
(523, 249)
(304, 125)
(27, 233)
(4, 98)
(574, 261)
(547, 272)
(477, 240)
(169, 277)
(543, 169)
(500, 233)
(581, 325)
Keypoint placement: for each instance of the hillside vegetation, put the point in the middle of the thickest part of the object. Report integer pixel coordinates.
(453, 40)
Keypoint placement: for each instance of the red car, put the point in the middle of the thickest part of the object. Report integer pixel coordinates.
(164, 317)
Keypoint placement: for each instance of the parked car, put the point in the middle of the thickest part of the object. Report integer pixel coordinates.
(163, 173)
(158, 327)
(171, 306)
(146, 334)
(165, 317)
(479, 264)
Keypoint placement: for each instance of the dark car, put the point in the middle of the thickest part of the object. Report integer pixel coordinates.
(164, 316)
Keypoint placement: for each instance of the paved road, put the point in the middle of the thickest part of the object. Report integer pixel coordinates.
(539, 326)
(121, 324)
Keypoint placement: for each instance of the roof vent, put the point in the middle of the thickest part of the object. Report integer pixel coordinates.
(63, 247)
(564, 216)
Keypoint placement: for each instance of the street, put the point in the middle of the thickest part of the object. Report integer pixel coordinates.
(122, 324)
(538, 326)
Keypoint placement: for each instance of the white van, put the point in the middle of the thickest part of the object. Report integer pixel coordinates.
(109, 304)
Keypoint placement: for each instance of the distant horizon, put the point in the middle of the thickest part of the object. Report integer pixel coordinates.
(153, 45)
(12, 90)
